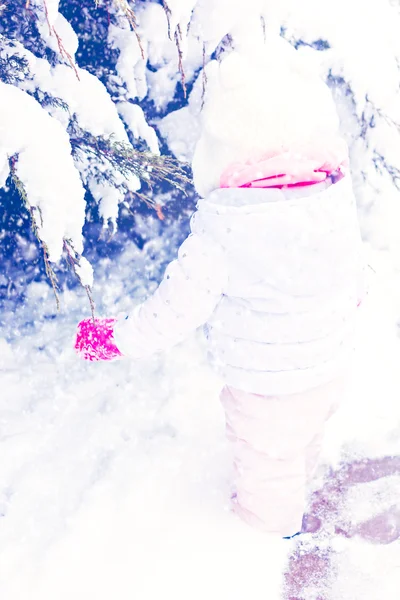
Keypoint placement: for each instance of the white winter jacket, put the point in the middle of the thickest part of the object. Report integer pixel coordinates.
(273, 276)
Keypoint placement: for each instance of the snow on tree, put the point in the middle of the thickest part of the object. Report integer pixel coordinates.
(71, 126)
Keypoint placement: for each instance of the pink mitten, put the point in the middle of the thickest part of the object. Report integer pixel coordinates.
(94, 340)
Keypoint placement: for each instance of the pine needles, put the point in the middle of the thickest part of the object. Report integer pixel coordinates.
(63, 51)
(74, 261)
(121, 157)
(116, 156)
(178, 43)
(13, 67)
(128, 12)
(19, 186)
(73, 257)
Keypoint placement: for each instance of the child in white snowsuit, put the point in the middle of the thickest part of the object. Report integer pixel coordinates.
(272, 272)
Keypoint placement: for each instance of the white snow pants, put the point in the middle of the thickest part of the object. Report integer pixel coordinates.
(277, 443)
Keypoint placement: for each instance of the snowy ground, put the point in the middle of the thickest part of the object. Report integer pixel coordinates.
(115, 478)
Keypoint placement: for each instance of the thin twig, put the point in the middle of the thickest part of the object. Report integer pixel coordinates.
(148, 201)
(127, 160)
(167, 11)
(74, 260)
(383, 115)
(131, 17)
(63, 51)
(46, 12)
(22, 192)
(204, 77)
(263, 28)
(178, 39)
(159, 212)
(50, 273)
(71, 257)
(91, 301)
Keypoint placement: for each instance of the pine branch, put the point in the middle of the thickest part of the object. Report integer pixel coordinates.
(19, 186)
(121, 157)
(178, 40)
(379, 160)
(63, 51)
(13, 67)
(46, 99)
(130, 15)
(204, 77)
(381, 164)
(73, 259)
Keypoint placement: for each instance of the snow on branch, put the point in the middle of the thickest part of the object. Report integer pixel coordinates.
(356, 48)
(36, 151)
(13, 68)
(120, 163)
(154, 49)
(179, 14)
(35, 227)
(45, 167)
(84, 139)
(128, 12)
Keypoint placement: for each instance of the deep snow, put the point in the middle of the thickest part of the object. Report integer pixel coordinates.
(115, 478)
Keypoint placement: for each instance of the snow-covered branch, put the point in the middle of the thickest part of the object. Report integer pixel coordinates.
(45, 166)
(155, 53)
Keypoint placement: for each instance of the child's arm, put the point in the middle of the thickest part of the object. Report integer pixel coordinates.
(188, 294)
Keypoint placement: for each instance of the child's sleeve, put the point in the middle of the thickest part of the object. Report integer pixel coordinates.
(187, 296)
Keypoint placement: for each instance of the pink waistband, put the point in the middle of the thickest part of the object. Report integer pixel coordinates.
(292, 168)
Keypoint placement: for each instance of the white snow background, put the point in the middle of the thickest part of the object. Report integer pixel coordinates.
(115, 478)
